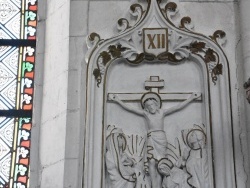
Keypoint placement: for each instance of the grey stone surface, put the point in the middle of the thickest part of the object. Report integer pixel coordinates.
(201, 1)
(59, 106)
(244, 45)
(78, 18)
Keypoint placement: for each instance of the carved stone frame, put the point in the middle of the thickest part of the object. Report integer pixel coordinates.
(192, 46)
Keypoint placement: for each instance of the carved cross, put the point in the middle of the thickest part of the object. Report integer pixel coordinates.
(154, 85)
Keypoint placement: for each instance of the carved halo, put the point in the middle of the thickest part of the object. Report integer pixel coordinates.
(199, 136)
(150, 95)
(165, 165)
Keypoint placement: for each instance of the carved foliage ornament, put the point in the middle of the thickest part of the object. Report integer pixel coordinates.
(247, 88)
(209, 56)
(131, 47)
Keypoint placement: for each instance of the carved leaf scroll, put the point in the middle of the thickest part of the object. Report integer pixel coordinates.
(92, 40)
(219, 34)
(122, 24)
(137, 11)
(184, 22)
(209, 56)
(170, 10)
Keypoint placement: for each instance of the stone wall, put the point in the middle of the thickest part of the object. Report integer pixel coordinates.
(59, 111)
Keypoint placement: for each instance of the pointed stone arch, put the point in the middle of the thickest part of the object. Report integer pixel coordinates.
(184, 45)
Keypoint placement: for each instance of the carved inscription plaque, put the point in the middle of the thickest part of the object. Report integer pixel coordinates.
(155, 40)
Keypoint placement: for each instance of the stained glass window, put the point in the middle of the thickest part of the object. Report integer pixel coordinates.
(18, 21)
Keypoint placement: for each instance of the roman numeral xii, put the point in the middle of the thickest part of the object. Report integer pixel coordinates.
(156, 41)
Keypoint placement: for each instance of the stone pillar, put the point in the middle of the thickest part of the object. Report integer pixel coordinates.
(74, 141)
(61, 86)
(244, 6)
(245, 35)
(53, 125)
(35, 165)
(245, 38)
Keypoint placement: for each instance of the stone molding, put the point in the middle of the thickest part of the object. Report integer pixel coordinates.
(209, 1)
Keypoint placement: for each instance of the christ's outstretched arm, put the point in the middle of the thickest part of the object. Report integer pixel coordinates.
(126, 107)
(181, 105)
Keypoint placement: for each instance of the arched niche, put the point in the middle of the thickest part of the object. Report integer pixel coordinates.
(121, 67)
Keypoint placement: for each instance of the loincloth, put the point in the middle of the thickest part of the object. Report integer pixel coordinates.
(156, 145)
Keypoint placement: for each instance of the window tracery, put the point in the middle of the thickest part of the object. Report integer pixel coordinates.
(18, 21)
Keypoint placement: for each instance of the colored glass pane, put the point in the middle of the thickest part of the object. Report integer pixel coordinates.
(14, 151)
(6, 142)
(10, 15)
(26, 78)
(30, 19)
(16, 78)
(8, 78)
(21, 157)
(18, 20)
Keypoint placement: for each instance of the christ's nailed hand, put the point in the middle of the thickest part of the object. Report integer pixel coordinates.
(195, 95)
(114, 97)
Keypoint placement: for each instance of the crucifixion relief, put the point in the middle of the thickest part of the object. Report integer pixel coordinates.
(165, 137)
(154, 114)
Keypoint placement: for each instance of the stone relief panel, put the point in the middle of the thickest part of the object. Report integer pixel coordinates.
(158, 105)
(172, 142)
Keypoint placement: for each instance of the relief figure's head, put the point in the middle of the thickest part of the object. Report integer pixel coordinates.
(151, 105)
(196, 139)
(151, 102)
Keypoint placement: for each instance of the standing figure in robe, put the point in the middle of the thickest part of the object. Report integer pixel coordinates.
(197, 159)
(124, 171)
(119, 165)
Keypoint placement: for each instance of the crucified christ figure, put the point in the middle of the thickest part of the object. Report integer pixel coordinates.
(157, 141)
